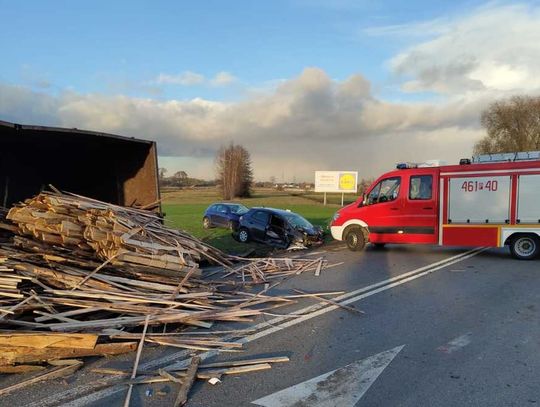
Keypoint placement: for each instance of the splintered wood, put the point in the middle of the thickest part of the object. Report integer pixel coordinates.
(80, 278)
(118, 234)
(267, 269)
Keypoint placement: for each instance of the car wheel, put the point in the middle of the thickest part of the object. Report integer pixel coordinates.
(206, 223)
(243, 235)
(525, 247)
(355, 239)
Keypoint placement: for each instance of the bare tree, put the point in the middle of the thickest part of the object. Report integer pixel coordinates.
(162, 172)
(234, 173)
(180, 175)
(364, 184)
(512, 125)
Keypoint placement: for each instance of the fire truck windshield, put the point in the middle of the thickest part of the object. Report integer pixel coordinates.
(385, 191)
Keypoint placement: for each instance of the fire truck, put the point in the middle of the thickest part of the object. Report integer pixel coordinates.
(489, 200)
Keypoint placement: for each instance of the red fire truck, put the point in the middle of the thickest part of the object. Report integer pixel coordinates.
(491, 200)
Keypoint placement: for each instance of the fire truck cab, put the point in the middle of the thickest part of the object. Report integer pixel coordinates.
(491, 200)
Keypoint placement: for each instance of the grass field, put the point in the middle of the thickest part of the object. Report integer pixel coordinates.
(184, 210)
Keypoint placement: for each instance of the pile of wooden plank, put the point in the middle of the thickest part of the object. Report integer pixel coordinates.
(81, 278)
(118, 234)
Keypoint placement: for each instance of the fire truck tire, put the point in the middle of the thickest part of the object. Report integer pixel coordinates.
(525, 246)
(356, 238)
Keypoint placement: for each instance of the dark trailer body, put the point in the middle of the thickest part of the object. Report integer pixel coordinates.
(111, 168)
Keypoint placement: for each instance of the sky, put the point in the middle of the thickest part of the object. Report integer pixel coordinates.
(304, 85)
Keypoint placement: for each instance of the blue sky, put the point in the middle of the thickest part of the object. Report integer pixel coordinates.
(121, 46)
(304, 85)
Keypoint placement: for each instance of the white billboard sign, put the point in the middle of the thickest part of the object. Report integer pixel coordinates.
(336, 181)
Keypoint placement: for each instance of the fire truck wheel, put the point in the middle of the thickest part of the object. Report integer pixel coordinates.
(356, 239)
(525, 247)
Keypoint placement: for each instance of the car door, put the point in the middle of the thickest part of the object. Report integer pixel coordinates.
(212, 214)
(222, 215)
(276, 229)
(419, 211)
(258, 224)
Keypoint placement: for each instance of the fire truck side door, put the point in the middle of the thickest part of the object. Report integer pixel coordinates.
(383, 211)
(419, 213)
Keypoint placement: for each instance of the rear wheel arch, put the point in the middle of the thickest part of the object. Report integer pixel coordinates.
(524, 245)
(352, 223)
(356, 237)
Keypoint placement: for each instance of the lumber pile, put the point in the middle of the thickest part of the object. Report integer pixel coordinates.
(82, 278)
(124, 236)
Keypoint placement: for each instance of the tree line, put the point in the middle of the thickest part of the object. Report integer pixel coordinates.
(512, 125)
(180, 179)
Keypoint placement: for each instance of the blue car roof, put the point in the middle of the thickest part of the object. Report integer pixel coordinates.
(228, 204)
(274, 210)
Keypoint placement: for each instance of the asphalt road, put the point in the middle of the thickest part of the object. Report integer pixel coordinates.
(466, 326)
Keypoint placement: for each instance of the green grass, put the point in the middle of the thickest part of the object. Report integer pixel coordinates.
(184, 210)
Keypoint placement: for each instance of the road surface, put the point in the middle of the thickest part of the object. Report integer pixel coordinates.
(442, 327)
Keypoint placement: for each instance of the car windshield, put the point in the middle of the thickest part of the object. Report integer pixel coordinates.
(238, 209)
(297, 221)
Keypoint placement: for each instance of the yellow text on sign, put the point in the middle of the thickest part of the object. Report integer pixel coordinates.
(347, 182)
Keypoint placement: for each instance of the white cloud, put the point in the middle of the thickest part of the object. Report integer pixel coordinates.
(306, 123)
(417, 29)
(495, 48)
(223, 78)
(189, 78)
(312, 122)
(186, 78)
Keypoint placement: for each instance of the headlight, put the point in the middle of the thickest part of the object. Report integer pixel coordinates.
(336, 216)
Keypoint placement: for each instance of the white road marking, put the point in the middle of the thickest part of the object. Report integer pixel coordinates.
(456, 343)
(342, 387)
(177, 359)
(362, 293)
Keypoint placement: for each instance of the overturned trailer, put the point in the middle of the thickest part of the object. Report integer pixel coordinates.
(111, 168)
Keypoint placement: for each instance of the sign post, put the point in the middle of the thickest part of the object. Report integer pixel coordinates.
(336, 181)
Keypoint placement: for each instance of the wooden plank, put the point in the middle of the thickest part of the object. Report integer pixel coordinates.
(345, 307)
(137, 358)
(186, 385)
(53, 373)
(21, 369)
(89, 276)
(24, 355)
(234, 370)
(184, 280)
(277, 359)
(46, 339)
(167, 375)
(319, 267)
